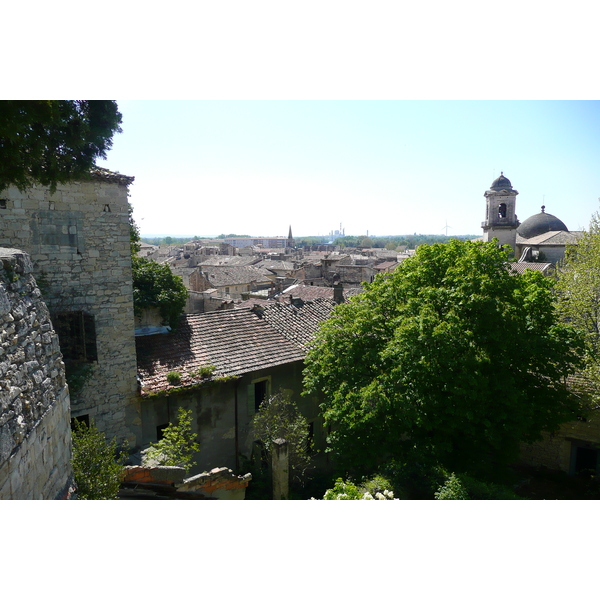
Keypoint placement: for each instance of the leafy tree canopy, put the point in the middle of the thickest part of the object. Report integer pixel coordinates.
(449, 359)
(155, 285)
(578, 291)
(53, 141)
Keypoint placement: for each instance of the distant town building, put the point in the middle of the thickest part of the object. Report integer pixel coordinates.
(540, 238)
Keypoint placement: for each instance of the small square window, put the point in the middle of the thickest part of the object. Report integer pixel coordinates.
(160, 431)
(3, 203)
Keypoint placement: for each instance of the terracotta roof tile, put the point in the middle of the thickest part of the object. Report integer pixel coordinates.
(234, 341)
(298, 323)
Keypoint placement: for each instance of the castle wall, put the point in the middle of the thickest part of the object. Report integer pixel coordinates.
(35, 434)
(79, 243)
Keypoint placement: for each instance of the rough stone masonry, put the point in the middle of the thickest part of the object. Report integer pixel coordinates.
(35, 435)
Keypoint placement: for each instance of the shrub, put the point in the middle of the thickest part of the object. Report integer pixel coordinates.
(205, 371)
(174, 377)
(178, 444)
(452, 489)
(96, 463)
(343, 490)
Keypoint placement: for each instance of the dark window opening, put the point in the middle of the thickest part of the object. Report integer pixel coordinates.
(502, 211)
(85, 419)
(77, 336)
(310, 439)
(586, 461)
(160, 431)
(3, 202)
(260, 456)
(260, 393)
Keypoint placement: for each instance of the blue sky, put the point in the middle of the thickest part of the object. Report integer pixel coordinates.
(382, 167)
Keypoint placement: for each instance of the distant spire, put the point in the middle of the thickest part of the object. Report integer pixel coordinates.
(290, 236)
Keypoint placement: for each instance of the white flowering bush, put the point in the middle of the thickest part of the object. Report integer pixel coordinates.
(346, 490)
(385, 495)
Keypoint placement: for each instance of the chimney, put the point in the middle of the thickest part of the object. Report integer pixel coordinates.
(338, 293)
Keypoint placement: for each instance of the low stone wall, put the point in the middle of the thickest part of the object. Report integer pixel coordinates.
(35, 434)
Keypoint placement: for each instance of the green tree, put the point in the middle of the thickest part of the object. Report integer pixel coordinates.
(578, 293)
(53, 141)
(450, 358)
(97, 467)
(134, 234)
(178, 444)
(279, 417)
(155, 285)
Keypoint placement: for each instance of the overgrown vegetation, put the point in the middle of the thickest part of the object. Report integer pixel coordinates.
(97, 466)
(178, 444)
(278, 417)
(156, 286)
(77, 373)
(174, 377)
(205, 371)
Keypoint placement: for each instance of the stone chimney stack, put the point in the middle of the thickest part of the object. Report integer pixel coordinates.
(338, 293)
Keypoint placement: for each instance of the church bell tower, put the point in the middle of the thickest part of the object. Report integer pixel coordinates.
(500, 218)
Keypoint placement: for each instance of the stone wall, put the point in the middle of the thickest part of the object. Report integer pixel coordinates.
(555, 451)
(35, 434)
(78, 240)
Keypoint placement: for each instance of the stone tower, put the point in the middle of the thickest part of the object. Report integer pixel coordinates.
(78, 240)
(500, 218)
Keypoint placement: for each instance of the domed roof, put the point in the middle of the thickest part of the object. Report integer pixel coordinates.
(501, 183)
(541, 223)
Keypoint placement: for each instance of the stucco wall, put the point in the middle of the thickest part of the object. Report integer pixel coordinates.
(35, 435)
(78, 240)
(213, 409)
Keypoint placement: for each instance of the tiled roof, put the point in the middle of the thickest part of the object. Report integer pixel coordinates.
(223, 276)
(106, 175)
(386, 266)
(551, 238)
(276, 265)
(312, 292)
(233, 341)
(228, 261)
(298, 323)
(520, 267)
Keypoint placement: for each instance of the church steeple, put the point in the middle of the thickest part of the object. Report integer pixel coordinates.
(500, 217)
(290, 240)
